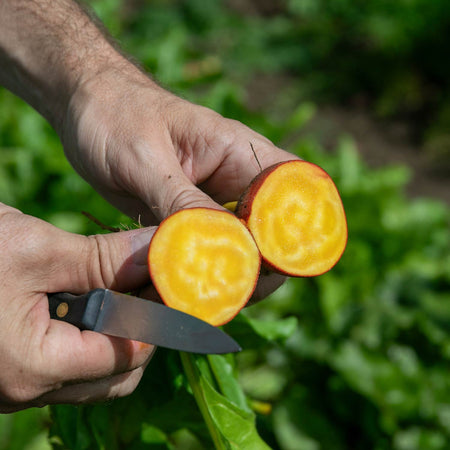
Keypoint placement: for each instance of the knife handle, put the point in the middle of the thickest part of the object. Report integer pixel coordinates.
(79, 310)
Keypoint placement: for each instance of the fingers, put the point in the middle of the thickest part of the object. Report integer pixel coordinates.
(39, 355)
(87, 355)
(173, 186)
(99, 390)
(217, 167)
(181, 193)
(91, 392)
(55, 260)
(47, 355)
(221, 156)
(117, 261)
(246, 154)
(78, 264)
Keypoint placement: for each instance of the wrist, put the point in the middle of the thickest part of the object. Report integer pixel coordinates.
(104, 99)
(47, 48)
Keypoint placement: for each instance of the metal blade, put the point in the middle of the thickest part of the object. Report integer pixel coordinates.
(146, 321)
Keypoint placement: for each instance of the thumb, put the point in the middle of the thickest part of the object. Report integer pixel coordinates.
(75, 263)
(170, 188)
(180, 193)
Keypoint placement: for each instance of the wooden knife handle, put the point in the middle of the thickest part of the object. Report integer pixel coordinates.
(79, 310)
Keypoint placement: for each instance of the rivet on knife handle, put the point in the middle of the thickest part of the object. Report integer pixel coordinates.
(79, 310)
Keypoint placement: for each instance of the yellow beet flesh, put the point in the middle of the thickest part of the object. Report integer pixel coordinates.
(204, 262)
(296, 216)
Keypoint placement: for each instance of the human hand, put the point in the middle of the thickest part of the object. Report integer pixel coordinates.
(147, 151)
(151, 153)
(44, 361)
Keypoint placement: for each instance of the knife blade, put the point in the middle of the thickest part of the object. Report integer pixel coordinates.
(116, 314)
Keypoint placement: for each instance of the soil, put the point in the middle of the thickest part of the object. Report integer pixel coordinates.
(382, 143)
(379, 142)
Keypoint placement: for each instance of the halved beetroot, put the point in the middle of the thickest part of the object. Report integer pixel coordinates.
(296, 217)
(204, 262)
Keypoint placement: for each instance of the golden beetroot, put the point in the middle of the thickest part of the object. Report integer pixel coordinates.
(296, 217)
(204, 262)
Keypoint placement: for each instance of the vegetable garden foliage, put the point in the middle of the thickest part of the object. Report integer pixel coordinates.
(356, 358)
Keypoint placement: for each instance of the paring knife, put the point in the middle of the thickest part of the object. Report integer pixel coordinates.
(122, 315)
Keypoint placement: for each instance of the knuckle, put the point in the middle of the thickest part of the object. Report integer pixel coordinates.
(184, 198)
(99, 271)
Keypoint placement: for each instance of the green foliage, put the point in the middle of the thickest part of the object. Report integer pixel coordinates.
(25, 430)
(356, 358)
(369, 360)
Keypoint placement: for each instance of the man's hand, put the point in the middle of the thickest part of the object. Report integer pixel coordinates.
(147, 151)
(44, 361)
(151, 153)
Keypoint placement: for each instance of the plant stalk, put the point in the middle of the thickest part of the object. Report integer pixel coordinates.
(194, 381)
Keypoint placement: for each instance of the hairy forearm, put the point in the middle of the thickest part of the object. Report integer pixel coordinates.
(47, 49)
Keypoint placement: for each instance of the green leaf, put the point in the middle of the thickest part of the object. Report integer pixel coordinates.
(236, 425)
(24, 430)
(70, 428)
(301, 424)
(231, 426)
(254, 333)
(228, 384)
(153, 435)
(274, 330)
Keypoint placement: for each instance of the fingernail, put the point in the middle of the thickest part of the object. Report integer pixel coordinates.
(139, 245)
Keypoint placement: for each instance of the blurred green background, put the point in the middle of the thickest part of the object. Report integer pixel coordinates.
(360, 87)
